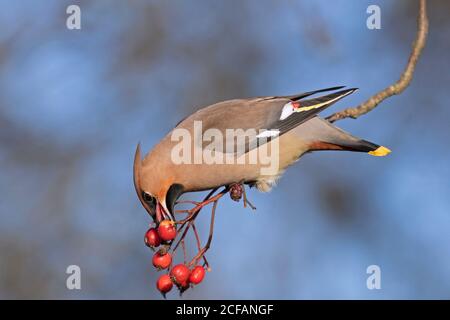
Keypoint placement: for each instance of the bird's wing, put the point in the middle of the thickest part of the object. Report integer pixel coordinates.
(309, 93)
(253, 122)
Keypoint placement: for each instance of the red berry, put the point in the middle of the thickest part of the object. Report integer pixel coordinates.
(183, 286)
(167, 230)
(181, 273)
(197, 275)
(162, 260)
(164, 284)
(152, 238)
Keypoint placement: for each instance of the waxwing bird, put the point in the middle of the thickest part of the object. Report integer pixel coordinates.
(250, 141)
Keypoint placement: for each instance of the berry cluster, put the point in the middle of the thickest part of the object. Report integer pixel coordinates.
(159, 239)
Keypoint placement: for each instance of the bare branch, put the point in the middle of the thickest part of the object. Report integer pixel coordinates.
(405, 78)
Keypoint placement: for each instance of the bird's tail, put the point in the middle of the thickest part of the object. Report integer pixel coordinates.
(325, 136)
(356, 146)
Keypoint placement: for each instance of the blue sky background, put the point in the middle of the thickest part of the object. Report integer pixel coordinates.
(74, 104)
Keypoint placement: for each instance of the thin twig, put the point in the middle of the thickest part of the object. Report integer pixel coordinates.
(211, 232)
(405, 78)
(181, 211)
(181, 238)
(246, 201)
(186, 201)
(199, 246)
(197, 237)
(184, 251)
(194, 212)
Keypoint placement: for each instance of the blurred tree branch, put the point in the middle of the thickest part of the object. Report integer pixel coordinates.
(405, 78)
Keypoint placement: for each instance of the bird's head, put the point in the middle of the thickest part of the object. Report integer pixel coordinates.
(155, 190)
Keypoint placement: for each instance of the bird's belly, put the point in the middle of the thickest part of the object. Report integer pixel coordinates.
(261, 167)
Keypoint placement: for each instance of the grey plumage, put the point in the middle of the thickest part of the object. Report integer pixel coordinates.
(295, 119)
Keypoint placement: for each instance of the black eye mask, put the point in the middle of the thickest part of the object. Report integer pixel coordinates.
(150, 200)
(174, 192)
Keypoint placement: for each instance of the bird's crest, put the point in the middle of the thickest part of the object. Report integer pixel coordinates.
(137, 172)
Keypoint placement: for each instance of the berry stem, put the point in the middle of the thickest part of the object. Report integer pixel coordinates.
(246, 201)
(184, 251)
(211, 233)
(188, 222)
(199, 246)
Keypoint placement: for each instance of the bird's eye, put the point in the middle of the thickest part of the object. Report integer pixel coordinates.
(148, 198)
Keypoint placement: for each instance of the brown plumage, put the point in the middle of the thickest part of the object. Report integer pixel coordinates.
(159, 180)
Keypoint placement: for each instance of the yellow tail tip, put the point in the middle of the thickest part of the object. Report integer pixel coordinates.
(380, 152)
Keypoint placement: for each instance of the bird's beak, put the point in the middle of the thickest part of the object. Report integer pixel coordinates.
(162, 213)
